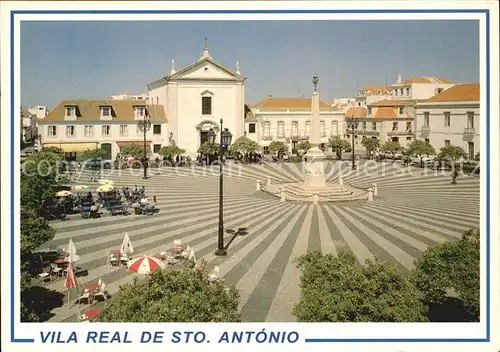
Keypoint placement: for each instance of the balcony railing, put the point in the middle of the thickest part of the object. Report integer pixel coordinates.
(267, 138)
(469, 131)
(367, 132)
(400, 133)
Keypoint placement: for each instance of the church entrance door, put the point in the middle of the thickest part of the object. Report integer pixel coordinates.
(203, 137)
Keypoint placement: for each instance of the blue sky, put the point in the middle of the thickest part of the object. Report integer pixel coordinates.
(93, 60)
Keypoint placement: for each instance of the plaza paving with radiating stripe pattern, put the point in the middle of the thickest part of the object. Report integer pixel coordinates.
(411, 212)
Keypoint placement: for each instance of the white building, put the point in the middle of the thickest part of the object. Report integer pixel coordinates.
(79, 125)
(421, 87)
(130, 97)
(451, 118)
(197, 97)
(371, 94)
(40, 111)
(289, 120)
(28, 126)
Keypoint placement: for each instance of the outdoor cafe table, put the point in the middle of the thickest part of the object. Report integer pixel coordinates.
(115, 251)
(60, 261)
(91, 286)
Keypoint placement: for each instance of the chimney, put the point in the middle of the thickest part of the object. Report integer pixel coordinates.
(157, 101)
(398, 79)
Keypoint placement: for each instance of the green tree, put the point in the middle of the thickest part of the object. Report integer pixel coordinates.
(451, 265)
(477, 157)
(35, 231)
(171, 151)
(97, 153)
(134, 150)
(338, 145)
(278, 147)
(335, 289)
(452, 153)
(245, 145)
(421, 149)
(207, 149)
(183, 295)
(371, 144)
(41, 174)
(304, 145)
(390, 147)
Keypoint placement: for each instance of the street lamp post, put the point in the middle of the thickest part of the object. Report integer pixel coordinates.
(225, 141)
(353, 125)
(145, 126)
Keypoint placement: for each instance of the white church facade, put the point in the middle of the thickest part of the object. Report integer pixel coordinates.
(197, 97)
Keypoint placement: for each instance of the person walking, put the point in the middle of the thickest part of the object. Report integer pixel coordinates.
(454, 176)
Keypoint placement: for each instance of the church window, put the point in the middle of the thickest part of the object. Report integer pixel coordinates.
(206, 105)
(251, 128)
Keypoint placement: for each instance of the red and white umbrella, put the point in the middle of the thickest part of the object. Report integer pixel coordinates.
(145, 265)
(70, 280)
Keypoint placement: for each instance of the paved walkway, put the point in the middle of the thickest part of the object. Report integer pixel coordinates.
(410, 213)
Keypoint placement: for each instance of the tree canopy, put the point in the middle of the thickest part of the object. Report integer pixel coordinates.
(371, 144)
(391, 147)
(304, 145)
(452, 153)
(134, 150)
(40, 176)
(180, 295)
(207, 149)
(338, 145)
(277, 147)
(171, 151)
(451, 265)
(245, 145)
(334, 289)
(421, 149)
(96, 153)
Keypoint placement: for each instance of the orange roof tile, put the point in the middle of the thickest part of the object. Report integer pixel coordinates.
(287, 103)
(392, 103)
(461, 92)
(356, 111)
(377, 88)
(385, 112)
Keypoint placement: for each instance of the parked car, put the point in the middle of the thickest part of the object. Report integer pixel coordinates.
(98, 163)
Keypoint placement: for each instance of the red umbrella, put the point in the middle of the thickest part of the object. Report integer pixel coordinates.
(145, 265)
(70, 279)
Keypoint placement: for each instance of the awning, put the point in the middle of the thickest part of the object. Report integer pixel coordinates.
(73, 147)
(122, 144)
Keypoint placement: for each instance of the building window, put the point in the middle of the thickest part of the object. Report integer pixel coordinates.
(447, 142)
(374, 126)
(401, 110)
(281, 129)
(394, 126)
(70, 131)
(364, 125)
(401, 90)
(251, 128)
(267, 129)
(439, 90)
(206, 105)
(51, 131)
(335, 128)
(322, 128)
(369, 110)
(295, 128)
(427, 140)
(472, 155)
(426, 118)
(156, 129)
(106, 111)
(395, 92)
(408, 138)
(106, 130)
(407, 91)
(447, 119)
(70, 111)
(470, 119)
(123, 130)
(408, 126)
(89, 130)
(156, 148)
(265, 150)
(140, 111)
(308, 127)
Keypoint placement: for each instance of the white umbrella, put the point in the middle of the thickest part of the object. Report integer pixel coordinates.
(79, 187)
(191, 255)
(145, 265)
(71, 252)
(63, 193)
(126, 245)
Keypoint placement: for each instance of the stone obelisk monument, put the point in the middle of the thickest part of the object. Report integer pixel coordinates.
(315, 176)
